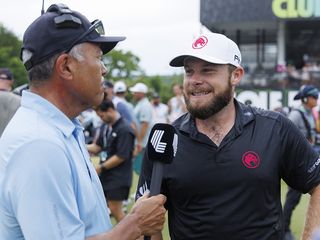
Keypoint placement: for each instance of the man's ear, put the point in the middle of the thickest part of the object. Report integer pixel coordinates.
(236, 76)
(63, 66)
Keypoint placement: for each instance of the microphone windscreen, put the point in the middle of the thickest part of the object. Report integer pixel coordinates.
(162, 143)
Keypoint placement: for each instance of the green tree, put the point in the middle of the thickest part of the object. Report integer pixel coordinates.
(159, 84)
(10, 55)
(122, 65)
(165, 86)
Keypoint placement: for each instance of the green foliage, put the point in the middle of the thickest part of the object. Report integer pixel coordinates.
(122, 65)
(10, 55)
(163, 85)
(157, 84)
(299, 214)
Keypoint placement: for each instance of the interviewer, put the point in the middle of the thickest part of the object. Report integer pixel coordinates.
(49, 189)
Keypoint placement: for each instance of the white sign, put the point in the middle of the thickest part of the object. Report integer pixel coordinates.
(268, 99)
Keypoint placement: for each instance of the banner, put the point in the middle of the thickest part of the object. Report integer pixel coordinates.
(268, 99)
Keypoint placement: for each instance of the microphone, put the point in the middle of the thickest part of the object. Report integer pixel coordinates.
(162, 148)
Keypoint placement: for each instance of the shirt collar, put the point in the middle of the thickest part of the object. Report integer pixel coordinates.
(50, 112)
(116, 123)
(244, 115)
(305, 109)
(142, 100)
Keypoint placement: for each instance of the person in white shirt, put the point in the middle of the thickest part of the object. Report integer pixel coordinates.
(160, 110)
(143, 113)
(176, 104)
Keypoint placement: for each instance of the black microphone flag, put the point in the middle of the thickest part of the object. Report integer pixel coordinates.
(162, 143)
(162, 148)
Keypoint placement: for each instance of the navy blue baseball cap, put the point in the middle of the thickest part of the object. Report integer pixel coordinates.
(58, 30)
(6, 74)
(306, 91)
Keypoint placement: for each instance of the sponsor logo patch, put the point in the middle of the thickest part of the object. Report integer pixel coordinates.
(200, 42)
(236, 58)
(142, 190)
(158, 146)
(250, 159)
(314, 166)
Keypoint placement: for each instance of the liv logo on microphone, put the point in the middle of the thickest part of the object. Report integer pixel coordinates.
(160, 147)
(175, 144)
(162, 143)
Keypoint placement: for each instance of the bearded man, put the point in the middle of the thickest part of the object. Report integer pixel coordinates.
(224, 182)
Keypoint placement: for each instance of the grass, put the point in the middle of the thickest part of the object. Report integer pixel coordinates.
(297, 221)
(299, 213)
(165, 231)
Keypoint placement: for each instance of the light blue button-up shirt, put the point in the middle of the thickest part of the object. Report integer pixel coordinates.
(143, 113)
(49, 189)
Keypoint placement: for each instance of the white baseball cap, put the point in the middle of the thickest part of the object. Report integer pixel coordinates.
(213, 48)
(139, 87)
(119, 87)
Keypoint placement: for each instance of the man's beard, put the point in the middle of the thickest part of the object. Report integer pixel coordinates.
(217, 103)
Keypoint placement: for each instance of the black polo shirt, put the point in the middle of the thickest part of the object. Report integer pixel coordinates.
(233, 191)
(119, 141)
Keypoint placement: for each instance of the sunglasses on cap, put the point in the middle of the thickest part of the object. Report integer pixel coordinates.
(96, 25)
(67, 20)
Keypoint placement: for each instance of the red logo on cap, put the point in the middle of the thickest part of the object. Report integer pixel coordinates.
(200, 42)
(251, 159)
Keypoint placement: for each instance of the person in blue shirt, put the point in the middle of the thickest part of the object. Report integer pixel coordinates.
(144, 116)
(49, 189)
(120, 105)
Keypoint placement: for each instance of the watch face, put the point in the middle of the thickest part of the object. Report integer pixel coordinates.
(103, 156)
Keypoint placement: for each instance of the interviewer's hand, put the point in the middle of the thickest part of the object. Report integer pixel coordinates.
(151, 213)
(98, 170)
